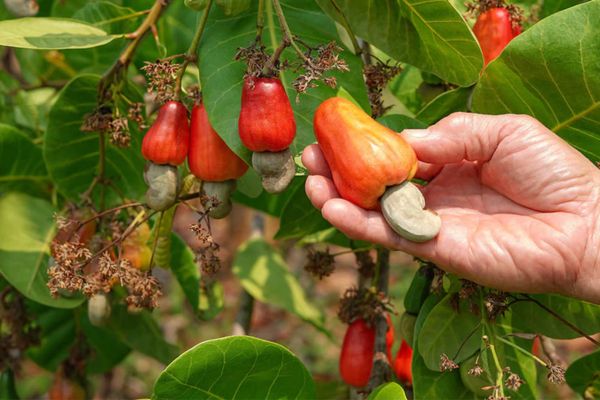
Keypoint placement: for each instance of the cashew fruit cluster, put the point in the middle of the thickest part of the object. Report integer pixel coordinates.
(371, 166)
(494, 29)
(267, 127)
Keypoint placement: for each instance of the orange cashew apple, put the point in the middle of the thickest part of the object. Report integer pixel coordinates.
(371, 166)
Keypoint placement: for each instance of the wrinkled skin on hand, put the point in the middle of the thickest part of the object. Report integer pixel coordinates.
(518, 205)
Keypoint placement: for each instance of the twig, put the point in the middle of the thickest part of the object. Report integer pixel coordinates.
(287, 34)
(381, 371)
(346, 25)
(260, 20)
(190, 55)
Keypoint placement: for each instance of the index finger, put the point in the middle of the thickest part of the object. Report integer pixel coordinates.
(314, 161)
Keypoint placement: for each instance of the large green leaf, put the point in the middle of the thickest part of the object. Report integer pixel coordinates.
(554, 6)
(222, 76)
(57, 334)
(72, 156)
(235, 368)
(388, 391)
(263, 273)
(26, 231)
(456, 333)
(186, 270)
(583, 375)
(444, 104)
(51, 33)
(552, 72)
(585, 316)
(431, 35)
(21, 164)
(141, 332)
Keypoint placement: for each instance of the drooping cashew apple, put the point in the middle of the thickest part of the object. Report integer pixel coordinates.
(494, 29)
(403, 363)
(267, 127)
(165, 145)
(371, 166)
(213, 162)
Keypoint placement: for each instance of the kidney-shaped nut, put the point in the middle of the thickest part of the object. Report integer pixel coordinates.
(221, 192)
(276, 169)
(163, 186)
(403, 208)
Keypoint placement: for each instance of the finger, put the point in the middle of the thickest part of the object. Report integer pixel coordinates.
(315, 162)
(428, 171)
(464, 136)
(319, 190)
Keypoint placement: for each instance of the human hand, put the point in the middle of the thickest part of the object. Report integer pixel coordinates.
(518, 205)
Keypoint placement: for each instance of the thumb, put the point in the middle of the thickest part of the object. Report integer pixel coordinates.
(462, 136)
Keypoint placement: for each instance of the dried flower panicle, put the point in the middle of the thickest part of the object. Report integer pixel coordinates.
(319, 263)
(255, 57)
(480, 6)
(162, 76)
(366, 264)
(476, 370)
(97, 121)
(377, 76)
(66, 271)
(207, 255)
(143, 289)
(446, 364)
(194, 93)
(556, 374)
(437, 283)
(467, 289)
(496, 304)
(136, 114)
(513, 381)
(118, 130)
(361, 303)
(317, 62)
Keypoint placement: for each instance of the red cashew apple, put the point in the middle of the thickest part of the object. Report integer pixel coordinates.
(213, 162)
(356, 357)
(165, 146)
(167, 140)
(403, 363)
(371, 166)
(494, 29)
(267, 127)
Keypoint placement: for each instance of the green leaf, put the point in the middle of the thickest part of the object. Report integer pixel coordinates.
(32, 108)
(551, 72)
(7, 385)
(428, 384)
(430, 35)
(585, 316)
(299, 217)
(22, 167)
(141, 332)
(72, 156)
(57, 336)
(186, 270)
(551, 7)
(583, 375)
(446, 330)
(444, 104)
(211, 300)
(388, 391)
(26, 231)
(268, 203)
(51, 33)
(399, 123)
(107, 349)
(235, 368)
(264, 274)
(222, 76)
(233, 7)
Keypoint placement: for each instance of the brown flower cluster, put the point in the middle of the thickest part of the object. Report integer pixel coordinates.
(161, 76)
(496, 304)
(255, 57)
(446, 364)
(69, 272)
(18, 331)
(319, 263)
(207, 255)
(377, 76)
(361, 303)
(136, 114)
(480, 6)
(556, 374)
(318, 61)
(104, 121)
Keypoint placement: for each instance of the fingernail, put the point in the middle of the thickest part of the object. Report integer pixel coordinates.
(416, 133)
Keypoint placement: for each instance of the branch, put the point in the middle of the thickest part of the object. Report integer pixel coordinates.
(287, 34)
(190, 55)
(381, 371)
(346, 25)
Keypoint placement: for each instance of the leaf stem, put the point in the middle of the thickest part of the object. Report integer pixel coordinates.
(500, 374)
(190, 55)
(522, 350)
(260, 20)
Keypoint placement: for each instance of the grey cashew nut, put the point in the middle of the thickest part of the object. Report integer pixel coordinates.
(163, 186)
(276, 169)
(221, 191)
(403, 207)
(98, 309)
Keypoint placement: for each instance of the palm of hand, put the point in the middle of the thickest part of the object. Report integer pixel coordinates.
(520, 217)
